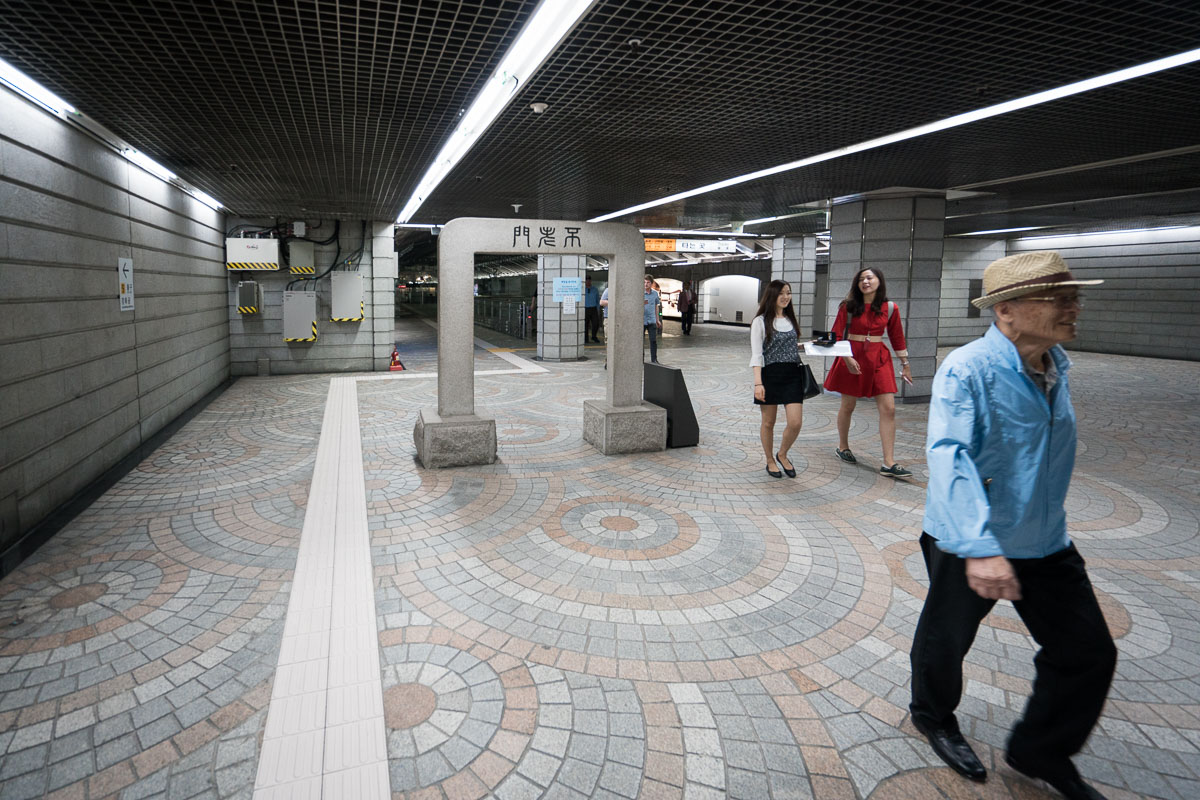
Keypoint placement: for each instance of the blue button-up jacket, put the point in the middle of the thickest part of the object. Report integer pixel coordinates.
(999, 453)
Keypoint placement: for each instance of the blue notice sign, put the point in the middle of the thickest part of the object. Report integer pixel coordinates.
(568, 287)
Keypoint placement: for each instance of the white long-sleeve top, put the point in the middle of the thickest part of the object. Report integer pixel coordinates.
(758, 333)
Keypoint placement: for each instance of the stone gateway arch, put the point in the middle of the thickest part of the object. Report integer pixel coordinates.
(453, 434)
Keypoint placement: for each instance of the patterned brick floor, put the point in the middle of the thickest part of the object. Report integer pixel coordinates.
(569, 625)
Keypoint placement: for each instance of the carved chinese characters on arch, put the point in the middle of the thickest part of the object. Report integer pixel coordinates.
(547, 236)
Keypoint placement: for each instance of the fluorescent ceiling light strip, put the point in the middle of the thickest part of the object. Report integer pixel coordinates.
(33, 90)
(207, 199)
(1108, 233)
(773, 219)
(933, 127)
(1003, 230)
(551, 21)
(150, 165)
(726, 234)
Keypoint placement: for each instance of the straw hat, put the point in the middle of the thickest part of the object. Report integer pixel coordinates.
(1026, 273)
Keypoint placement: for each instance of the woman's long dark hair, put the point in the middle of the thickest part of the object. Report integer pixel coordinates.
(854, 302)
(769, 303)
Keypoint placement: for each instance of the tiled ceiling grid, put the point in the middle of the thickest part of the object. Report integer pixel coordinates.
(1156, 115)
(321, 108)
(1167, 173)
(312, 108)
(717, 89)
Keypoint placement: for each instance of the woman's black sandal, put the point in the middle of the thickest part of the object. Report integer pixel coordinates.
(773, 473)
(791, 473)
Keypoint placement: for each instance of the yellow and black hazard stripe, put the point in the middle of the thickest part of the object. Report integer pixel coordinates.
(362, 314)
(258, 265)
(247, 309)
(303, 270)
(312, 339)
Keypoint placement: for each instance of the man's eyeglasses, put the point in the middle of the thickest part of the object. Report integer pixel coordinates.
(1061, 302)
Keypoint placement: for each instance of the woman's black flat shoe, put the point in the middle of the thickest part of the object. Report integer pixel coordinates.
(791, 473)
(773, 473)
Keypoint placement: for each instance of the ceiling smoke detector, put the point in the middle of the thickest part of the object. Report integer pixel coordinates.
(538, 108)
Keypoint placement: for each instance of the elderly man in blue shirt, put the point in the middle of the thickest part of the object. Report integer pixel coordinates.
(1000, 450)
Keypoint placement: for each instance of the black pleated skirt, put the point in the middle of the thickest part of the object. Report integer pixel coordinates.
(783, 383)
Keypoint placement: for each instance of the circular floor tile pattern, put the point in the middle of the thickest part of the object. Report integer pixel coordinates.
(74, 598)
(445, 709)
(407, 705)
(743, 586)
(83, 595)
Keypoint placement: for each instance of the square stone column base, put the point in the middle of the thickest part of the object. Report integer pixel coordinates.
(628, 429)
(454, 441)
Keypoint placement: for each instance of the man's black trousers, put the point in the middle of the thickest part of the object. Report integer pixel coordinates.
(1074, 665)
(591, 322)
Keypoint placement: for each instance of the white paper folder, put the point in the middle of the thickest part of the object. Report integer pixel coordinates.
(841, 348)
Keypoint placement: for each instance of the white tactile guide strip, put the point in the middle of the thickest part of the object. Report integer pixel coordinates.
(325, 736)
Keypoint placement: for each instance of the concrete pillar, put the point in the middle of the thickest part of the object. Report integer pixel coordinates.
(794, 259)
(381, 293)
(901, 236)
(559, 334)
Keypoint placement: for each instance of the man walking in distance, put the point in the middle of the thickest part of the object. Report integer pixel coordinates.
(604, 308)
(687, 308)
(591, 311)
(1000, 450)
(651, 317)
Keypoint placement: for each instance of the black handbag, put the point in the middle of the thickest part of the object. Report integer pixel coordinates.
(811, 387)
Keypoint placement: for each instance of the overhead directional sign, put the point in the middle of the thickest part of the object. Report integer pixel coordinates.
(691, 245)
(660, 245)
(706, 245)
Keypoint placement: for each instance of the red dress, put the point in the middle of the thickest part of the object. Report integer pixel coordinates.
(877, 375)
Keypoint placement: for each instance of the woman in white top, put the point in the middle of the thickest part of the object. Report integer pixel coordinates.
(778, 379)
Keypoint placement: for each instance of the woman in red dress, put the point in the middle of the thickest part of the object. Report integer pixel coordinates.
(862, 318)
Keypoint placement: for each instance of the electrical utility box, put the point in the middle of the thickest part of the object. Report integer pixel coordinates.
(300, 258)
(256, 254)
(347, 305)
(299, 316)
(249, 297)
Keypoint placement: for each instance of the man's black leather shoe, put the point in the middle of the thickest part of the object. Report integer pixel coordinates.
(1066, 779)
(952, 748)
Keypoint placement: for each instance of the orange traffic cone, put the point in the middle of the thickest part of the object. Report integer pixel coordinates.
(395, 366)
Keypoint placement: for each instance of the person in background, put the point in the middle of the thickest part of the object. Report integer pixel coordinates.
(1000, 449)
(652, 317)
(863, 317)
(687, 308)
(604, 310)
(591, 311)
(778, 379)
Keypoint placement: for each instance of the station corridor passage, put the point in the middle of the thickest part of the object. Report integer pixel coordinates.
(564, 624)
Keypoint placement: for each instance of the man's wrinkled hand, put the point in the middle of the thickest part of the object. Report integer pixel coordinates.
(993, 578)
